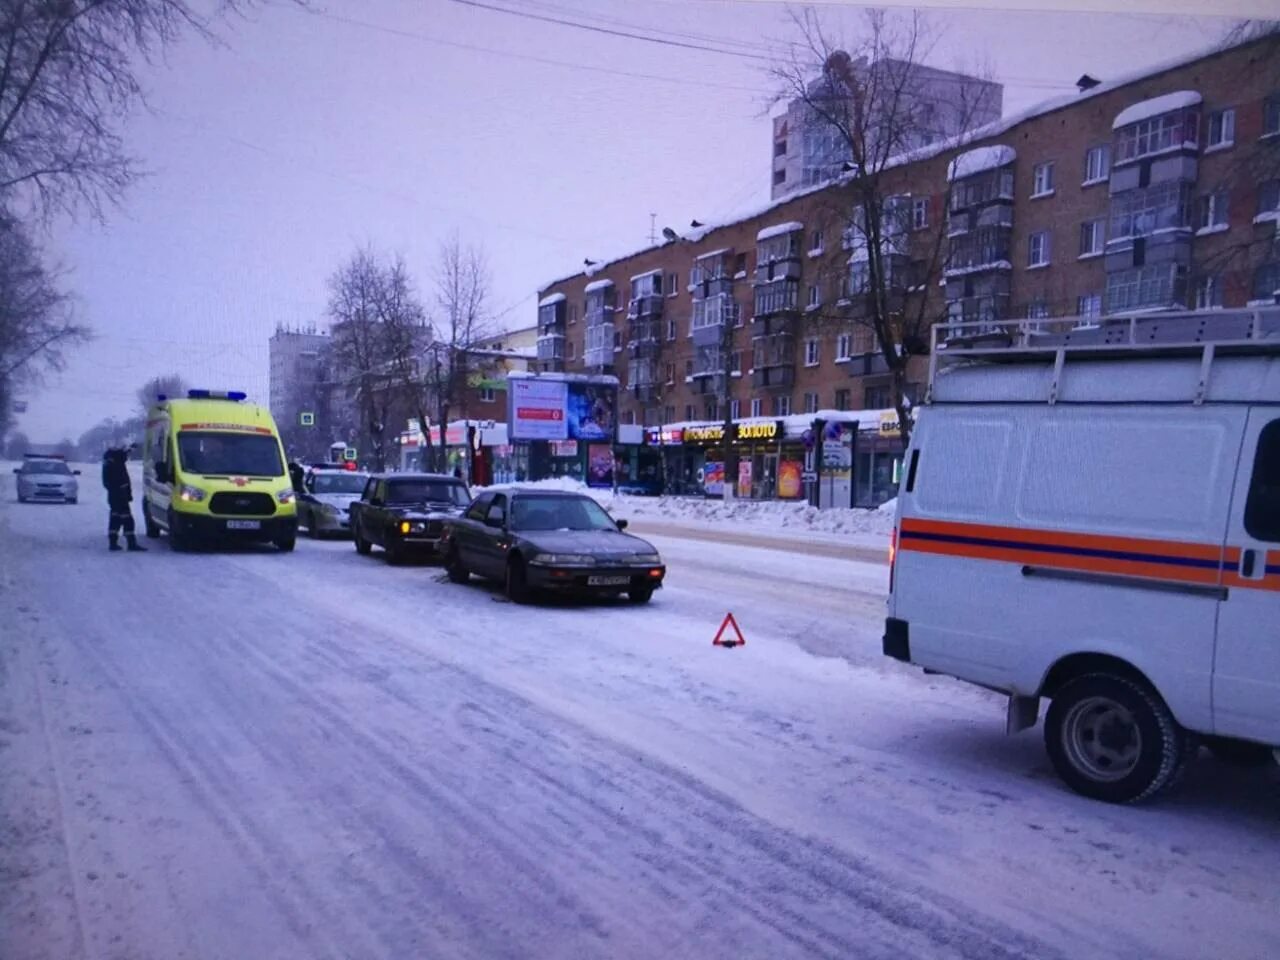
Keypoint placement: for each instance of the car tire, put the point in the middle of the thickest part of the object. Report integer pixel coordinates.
(454, 568)
(1147, 753)
(1240, 753)
(72, 500)
(517, 582)
(149, 526)
(363, 546)
(286, 543)
(21, 498)
(641, 593)
(312, 530)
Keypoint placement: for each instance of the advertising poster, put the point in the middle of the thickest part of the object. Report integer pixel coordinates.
(713, 478)
(538, 409)
(590, 410)
(789, 486)
(599, 465)
(564, 448)
(744, 478)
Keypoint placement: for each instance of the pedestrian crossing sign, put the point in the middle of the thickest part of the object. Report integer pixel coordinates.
(307, 419)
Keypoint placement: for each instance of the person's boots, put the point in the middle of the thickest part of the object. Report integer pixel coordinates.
(134, 545)
(112, 543)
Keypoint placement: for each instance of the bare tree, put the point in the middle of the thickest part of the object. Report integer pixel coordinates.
(68, 80)
(463, 288)
(409, 339)
(37, 318)
(872, 94)
(166, 385)
(361, 352)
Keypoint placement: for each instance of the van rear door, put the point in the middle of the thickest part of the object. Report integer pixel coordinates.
(1246, 679)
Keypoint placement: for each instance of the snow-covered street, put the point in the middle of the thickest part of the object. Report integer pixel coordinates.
(248, 755)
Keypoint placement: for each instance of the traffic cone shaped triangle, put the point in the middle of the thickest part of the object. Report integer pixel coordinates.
(734, 639)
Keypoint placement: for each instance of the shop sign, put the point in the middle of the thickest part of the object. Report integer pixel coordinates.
(889, 425)
(672, 436)
(769, 430)
(538, 409)
(709, 434)
(564, 448)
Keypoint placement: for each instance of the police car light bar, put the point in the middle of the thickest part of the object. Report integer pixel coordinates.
(216, 395)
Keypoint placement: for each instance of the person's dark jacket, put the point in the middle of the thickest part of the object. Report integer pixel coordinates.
(115, 477)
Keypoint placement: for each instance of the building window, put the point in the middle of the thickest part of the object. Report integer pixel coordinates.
(1038, 249)
(1092, 237)
(671, 372)
(617, 341)
(1266, 282)
(668, 414)
(1209, 292)
(876, 397)
(1155, 285)
(816, 242)
(486, 395)
(735, 409)
(1097, 163)
(1042, 180)
(919, 213)
(1222, 129)
(782, 406)
(811, 353)
(1037, 310)
(688, 367)
(1271, 116)
(780, 148)
(673, 284)
(815, 295)
(688, 412)
(843, 343)
(755, 406)
(1268, 198)
(780, 177)
(864, 341)
(570, 350)
(671, 328)
(1212, 210)
(629, 417)
(1136, 213)
(842, 398)
(711, 410)
(1158, 134)
(810, 403)
(1089, 305)
(573, 313)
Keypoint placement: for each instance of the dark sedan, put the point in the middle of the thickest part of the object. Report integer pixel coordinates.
(542, 540)
(405, 513)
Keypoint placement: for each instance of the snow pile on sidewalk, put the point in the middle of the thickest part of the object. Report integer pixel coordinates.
(760, 515)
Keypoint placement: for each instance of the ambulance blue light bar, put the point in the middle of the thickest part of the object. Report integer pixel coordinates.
(216, 395)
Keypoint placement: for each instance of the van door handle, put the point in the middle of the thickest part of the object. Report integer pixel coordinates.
(1248, 557)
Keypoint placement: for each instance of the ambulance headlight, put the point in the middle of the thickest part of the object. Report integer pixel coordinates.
(190, 494)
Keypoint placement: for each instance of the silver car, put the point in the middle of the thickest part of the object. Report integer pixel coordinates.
(48, 480)
(324, 506)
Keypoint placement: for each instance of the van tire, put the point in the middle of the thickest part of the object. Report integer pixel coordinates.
(149, 526)
(178, 542)
(1160, 748)
(1240, 753)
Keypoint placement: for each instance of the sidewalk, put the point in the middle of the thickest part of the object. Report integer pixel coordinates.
(867, 548)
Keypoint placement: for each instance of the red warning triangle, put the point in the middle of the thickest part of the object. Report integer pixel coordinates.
(736, 640)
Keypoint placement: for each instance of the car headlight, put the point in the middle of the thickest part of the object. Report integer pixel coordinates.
(286, 495)
(565, 559)
(648, 558)
(409, 527)
(190, 494)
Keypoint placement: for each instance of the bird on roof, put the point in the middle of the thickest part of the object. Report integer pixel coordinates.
(589, 263)
(696, 223)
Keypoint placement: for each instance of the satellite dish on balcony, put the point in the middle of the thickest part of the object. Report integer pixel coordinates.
(669, 235)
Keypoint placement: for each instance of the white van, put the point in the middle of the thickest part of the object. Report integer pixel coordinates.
(1090, 513)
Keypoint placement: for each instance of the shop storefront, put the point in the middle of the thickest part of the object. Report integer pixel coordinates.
(490, 459)
(692, 458)
(878, 460)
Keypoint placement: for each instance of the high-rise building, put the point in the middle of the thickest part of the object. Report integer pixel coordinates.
(921, 105)
(294, 365)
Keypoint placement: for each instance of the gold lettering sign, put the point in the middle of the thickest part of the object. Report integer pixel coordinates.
(703, 434)
(757, 431)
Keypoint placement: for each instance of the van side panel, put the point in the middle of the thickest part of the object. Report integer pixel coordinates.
(1029, 524)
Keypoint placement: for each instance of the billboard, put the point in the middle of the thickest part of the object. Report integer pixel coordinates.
(538, 409)
(552, 409)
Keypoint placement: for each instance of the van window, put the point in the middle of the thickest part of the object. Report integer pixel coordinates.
(1262, 509)
(1128, 472)
(230, 454)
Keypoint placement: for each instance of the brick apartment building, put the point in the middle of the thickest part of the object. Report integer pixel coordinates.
(1158, 191)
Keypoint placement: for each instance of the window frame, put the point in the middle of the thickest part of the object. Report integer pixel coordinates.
(1226, 120)
(1212, 210)
(757, 405)
(1042, 180)
(1103, 152)
(844, 345)
(488, 395)
(1045, 249)
(919, 213)
(1098, 237)
(811, 401)
(782, 405)
(1270, 508)
(1271, 116)
(1212, 282)
(812, 352)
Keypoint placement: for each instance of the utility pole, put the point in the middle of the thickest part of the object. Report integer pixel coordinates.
(653, 229)
(726, 357)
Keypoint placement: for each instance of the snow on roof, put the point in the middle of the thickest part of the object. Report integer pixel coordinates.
(647, 273)
(712, 253)
(597, 285)
(979, 159)
(778, 229)
(1154, 107)
(552, 299)
(994, 129)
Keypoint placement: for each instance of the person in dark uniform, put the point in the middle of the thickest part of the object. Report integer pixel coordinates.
(115, 477)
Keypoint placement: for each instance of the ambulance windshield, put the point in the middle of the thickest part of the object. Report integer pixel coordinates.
(230, 454)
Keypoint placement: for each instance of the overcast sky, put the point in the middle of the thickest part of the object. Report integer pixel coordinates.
(395, 122)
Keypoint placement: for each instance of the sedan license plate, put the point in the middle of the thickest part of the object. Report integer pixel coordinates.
(244, 524)
(607, 581)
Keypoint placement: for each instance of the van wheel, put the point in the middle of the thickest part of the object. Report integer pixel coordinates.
(1113, 739)
(149, 526)
(1240, 753)
(179, 542)
(286, 543)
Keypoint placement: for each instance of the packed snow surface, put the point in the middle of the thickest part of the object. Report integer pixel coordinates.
(1156, 106)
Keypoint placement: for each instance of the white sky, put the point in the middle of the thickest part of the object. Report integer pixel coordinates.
(310, 133)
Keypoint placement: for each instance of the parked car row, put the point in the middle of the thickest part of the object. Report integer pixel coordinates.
(527, 539)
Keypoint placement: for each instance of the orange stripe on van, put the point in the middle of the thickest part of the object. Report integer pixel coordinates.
(1171, 548)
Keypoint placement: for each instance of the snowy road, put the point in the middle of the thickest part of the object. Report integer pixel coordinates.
(249, 756)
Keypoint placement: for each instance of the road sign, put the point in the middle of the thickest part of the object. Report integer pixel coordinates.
(349, 453)
(721, 640)
(307, 419)
(809, 476)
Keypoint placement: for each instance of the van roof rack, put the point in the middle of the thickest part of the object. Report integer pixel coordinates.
(1205, 334)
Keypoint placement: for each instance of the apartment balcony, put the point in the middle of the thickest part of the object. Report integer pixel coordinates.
(708, 384)
(646, 393)
(644, 338)
(776, 270)
(774, 378)
(598, 351)
(646, 306)
(866, 364)
(778, 297)
(551, 346)
(711, 317)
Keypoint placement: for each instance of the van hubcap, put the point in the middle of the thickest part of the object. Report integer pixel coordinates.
(1102, 739)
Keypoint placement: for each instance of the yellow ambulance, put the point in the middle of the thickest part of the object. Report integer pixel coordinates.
(214, 470)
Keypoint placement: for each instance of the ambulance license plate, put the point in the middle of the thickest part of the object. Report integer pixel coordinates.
(244, 524)
(607, 581)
